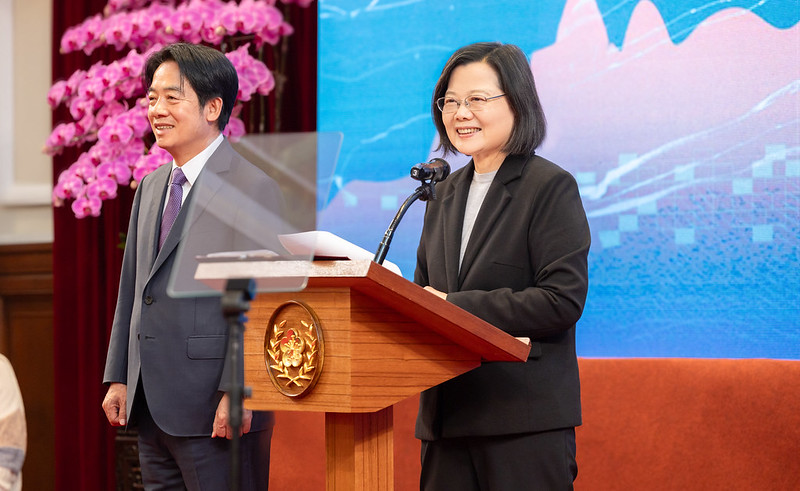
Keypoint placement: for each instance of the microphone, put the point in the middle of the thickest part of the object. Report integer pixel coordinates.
(436, 170)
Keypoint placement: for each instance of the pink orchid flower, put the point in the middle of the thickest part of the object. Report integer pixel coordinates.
(84, 168)
(136, 118)
(187, 23)
(236, 19)
(85, 206)
(129, 153)
(112, 74)
(113, 132)
(91, 88)
(234, 130)
(271, 16)
(213, 34)
(141, 27)
(131, 65)
(69, 186)
(60, 137)
(118, 30)
(74, 81)
(99, 153)
(72, 40)
(268, 35)
(110, 110)
(57, 93)
(85, 126)
(103, 188)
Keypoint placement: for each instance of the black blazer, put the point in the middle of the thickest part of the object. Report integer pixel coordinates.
(525, 272)
(176, 346)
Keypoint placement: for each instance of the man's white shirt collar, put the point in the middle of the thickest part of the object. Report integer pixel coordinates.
(192, 168)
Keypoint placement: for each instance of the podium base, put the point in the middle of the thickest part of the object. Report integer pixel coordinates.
(360, 451)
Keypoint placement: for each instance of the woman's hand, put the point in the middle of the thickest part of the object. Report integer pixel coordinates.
(436, 292)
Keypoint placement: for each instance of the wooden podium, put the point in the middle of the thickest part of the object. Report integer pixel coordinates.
(382, 339)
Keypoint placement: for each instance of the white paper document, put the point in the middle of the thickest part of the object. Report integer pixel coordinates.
(319, 243)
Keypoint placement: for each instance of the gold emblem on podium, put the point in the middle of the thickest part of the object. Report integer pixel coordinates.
(294, 349)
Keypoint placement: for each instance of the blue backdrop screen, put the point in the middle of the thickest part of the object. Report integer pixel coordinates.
(679, 119)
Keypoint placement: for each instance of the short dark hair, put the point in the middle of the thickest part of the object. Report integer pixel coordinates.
(516, 81)
(208, 71)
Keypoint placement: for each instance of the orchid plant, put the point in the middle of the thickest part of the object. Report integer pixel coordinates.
(107, 102)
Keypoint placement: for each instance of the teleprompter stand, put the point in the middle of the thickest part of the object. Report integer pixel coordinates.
(235, 303)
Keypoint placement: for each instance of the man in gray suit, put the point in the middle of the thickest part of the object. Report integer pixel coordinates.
(166, 367)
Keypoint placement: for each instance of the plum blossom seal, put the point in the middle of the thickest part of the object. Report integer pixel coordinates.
(294, 349)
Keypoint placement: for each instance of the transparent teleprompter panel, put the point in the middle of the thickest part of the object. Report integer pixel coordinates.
(236, 214)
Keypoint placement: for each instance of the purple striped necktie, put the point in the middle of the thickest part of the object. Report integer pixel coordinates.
(173, 204)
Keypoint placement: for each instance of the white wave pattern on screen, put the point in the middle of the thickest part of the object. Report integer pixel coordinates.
(724, 94)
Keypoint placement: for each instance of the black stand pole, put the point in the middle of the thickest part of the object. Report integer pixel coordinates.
(235, 302)
(426, 191)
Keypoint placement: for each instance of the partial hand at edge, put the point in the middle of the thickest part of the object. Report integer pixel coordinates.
(436, 292)
(222, 426)
(115, 404)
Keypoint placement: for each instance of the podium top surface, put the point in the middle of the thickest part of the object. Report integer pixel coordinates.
(373, 280)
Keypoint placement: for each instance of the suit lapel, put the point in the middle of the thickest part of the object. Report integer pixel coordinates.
(153, 196)
(496, 200)
(454, 204)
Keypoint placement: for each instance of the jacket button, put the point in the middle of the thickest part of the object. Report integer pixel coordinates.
(148, 300)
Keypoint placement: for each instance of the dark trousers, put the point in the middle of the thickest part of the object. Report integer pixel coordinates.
(531, 461)
(200, 463)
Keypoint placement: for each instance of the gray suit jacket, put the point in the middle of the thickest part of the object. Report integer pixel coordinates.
(176, 347)
(524, 271)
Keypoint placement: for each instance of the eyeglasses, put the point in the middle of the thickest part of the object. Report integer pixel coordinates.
(474, 103)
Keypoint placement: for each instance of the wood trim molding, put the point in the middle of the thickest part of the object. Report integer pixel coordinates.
(26, 269)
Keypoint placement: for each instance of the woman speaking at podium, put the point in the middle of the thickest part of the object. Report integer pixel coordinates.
(506, 240)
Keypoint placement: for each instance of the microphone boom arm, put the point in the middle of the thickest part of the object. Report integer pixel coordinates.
(426, 191)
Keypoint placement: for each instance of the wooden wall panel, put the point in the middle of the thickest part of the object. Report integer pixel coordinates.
(26, 338)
